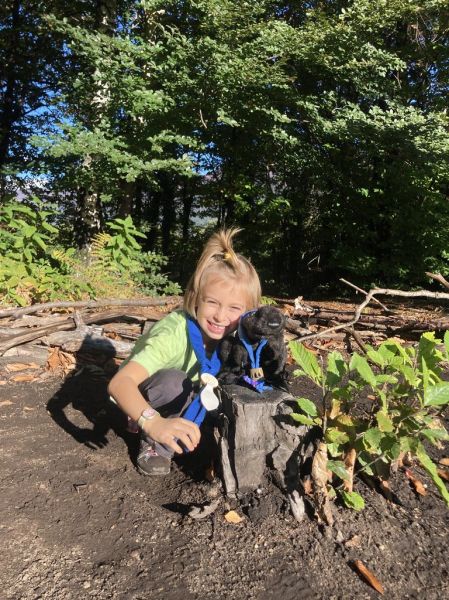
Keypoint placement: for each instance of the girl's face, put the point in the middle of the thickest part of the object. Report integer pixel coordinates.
(220, 305)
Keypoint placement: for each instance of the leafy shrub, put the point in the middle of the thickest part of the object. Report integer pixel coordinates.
(35, 269)
(379, 406)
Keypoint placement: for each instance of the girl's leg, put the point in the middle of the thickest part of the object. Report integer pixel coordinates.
(169, 391)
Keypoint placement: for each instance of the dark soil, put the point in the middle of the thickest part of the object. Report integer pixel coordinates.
(79, 521)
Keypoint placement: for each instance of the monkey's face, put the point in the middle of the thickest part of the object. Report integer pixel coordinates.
(266, 321)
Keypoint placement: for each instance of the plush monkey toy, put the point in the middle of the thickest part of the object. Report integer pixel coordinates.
(256, 355)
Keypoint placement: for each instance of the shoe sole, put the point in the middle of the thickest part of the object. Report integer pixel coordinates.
(158, 472)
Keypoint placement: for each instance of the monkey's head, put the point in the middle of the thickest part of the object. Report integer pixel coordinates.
(265, 322)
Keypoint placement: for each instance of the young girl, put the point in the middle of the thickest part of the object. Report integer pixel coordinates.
(160, 378)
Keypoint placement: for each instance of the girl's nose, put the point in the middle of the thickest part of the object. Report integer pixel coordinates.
(220, 314)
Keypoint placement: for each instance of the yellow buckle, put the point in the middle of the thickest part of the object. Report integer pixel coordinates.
(256, 373)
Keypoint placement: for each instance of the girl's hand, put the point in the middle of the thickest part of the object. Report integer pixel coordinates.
(171, 431)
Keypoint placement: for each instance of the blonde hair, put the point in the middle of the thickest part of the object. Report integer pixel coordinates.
(218, 258)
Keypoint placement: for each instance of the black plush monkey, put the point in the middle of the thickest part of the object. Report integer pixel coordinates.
(257, 352)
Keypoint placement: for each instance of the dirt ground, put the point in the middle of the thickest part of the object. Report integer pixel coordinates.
(79, 521)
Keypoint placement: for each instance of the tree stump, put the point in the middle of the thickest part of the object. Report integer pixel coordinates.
(256, 434)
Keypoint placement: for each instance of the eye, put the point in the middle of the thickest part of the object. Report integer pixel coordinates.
(237, 308)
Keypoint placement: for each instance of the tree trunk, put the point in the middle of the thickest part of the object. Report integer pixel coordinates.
(89, 213)
(8, 115)
(257, 435)
(168, 211)
(88, 222)
(152, 218)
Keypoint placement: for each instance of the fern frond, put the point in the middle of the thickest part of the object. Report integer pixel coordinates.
(99, 243)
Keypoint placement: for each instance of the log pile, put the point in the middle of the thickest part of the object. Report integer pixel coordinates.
(77, 327)
(111, 326)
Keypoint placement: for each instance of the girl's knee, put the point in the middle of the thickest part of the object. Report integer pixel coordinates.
(166, 385)
(175, 382)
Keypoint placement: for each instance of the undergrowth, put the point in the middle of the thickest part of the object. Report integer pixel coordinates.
(36, 268)
(376, 408)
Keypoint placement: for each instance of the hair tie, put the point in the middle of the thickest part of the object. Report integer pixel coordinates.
(226, 256)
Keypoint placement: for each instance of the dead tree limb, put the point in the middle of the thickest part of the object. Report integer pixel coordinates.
(363, 292)
(369, 297)
(438, 278)
(27, 310)
(67, 325)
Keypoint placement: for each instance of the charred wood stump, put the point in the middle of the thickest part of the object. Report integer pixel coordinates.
(256, 438)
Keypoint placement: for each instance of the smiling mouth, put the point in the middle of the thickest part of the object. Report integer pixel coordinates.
(216, 328)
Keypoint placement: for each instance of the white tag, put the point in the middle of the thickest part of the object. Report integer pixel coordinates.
(208, 398)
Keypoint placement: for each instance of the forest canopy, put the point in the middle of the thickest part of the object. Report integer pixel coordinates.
(320, 128)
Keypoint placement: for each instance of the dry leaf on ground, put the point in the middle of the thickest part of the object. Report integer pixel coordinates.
(368, 576)
(233, 517)
(444, 461)
(307, 486)
(443, 473)
(319, 479)
(384, 485)
(6, 403)
(349, 466)
(354, 542)
(60, 361)
(18, 378)
(201, 512)
(209, 474)
(21, 366)
(417, 484)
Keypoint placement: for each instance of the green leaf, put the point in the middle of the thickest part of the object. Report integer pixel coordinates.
(384, 422)
(360, 364)
(39, 241)
(409, 374)
(428, 352)
(353, 500)
(392, 350)
(365, 459)
(302, 419)
(376, 357)
(372, 438)
(431, 468)
(436, 395)
(49, 227)
(307, 406)
(338, 467)
(434, 435)
(307, 361)
(335, 436)
(386, 378)
(336, 369)
(390, 446)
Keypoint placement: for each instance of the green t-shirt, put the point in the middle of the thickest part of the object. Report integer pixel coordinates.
(166, 346)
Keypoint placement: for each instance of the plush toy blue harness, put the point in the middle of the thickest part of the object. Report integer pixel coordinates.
(255, 380)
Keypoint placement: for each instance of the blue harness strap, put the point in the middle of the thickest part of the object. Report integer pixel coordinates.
(254, 357)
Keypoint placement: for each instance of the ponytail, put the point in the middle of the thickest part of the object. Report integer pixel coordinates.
(219, 257)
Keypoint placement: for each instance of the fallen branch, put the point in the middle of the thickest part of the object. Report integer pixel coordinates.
(438, 278)
(67, 325)
(371, 294)
(363, 292)
(293, 327)
(27, 310)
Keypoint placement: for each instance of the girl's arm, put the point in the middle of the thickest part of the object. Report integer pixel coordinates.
(123, 387)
